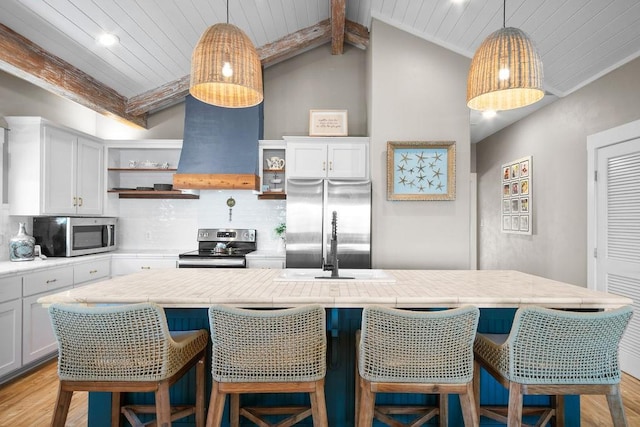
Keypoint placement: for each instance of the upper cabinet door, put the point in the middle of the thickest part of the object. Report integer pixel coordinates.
(59, 177)
(347, 160)
(89, 194)
(306, 160)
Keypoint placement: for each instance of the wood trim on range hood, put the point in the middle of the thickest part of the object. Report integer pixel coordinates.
(202, 181)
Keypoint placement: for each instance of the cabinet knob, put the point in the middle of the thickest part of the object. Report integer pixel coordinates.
(330, 166)
(75, 201)
(324, 166)
(145, 268)
(80, 199)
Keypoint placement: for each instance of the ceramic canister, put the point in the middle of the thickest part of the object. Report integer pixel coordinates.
(21, 245)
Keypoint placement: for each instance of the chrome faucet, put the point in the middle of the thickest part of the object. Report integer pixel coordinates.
(333, 252)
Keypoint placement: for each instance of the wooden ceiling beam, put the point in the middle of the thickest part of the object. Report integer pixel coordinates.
(23, 58)
(28, 61)
(338, 10)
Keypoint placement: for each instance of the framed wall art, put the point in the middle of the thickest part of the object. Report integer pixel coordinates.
(328, 123)
(517, 196)
(419, 170)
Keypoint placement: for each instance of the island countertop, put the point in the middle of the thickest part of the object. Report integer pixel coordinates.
(197, 288)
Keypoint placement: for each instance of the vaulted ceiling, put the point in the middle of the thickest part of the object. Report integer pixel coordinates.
(52, 43)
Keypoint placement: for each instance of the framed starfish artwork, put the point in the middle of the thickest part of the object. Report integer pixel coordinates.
(421, 170)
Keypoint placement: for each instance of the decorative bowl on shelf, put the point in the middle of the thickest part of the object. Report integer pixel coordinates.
(144, 188)
(276, 190)
(276, 181)
(163, 187)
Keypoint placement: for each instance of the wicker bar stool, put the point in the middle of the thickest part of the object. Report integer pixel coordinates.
(268, 351)
(553, 352)
(126, 349)
(402, 351)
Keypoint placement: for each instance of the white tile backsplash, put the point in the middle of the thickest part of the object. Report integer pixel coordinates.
(173, 223)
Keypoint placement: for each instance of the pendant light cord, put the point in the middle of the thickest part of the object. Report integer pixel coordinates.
(504, 13)
(228, 11)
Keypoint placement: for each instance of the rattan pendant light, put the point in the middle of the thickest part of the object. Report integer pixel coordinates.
(225, 68)
(505, 72)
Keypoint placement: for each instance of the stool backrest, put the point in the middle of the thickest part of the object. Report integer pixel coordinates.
(268, 345)
(417, 346)
(123, 343)
(562, 347)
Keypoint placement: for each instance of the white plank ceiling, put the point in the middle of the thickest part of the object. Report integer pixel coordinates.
(579, 40)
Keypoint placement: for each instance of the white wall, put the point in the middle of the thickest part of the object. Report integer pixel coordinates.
(417, 93)
(556, 137)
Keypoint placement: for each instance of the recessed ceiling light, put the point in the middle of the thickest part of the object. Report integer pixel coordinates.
(108, 39)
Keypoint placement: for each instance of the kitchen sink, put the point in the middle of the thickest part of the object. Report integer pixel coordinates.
(316, 274)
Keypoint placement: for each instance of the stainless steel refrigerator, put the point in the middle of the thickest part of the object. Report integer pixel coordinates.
(310, 204)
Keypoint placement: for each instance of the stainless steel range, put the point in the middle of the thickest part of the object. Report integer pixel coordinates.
(220, 248)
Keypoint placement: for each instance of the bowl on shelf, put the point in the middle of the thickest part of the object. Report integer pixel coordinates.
(163, 187)
(276, 190)
(276, 181)
(144, 188)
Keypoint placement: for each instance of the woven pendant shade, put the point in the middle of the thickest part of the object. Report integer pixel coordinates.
(506, 49)
(226, 69)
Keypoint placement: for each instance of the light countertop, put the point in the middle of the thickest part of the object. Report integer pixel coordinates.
(412, 288)
(20, 267)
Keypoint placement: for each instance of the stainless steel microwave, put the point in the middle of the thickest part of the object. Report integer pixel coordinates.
(67, 236)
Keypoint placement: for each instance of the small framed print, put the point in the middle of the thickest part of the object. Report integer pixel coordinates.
(515, 223)
(515, 171)
(506, 190)
(517, 199)
(506, 223)
(328, 123)
(524, 168)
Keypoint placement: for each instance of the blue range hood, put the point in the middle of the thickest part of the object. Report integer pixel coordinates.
(220, 147)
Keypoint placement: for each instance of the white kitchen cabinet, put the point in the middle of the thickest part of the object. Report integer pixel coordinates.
(336, 157)
(88, 272)
(38, 339)
(267, 262)
(123, 264)
(10, 324)
(54, 170)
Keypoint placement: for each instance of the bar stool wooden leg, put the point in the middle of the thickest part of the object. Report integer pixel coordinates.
(234, 410)
(116, 415)
(319, 405)
(200, 380)
(367, 404)
(443, 405)
(514, 416)
(476, 387)
(163, 407)
(216, 406)
(62, 406)
(616, 408)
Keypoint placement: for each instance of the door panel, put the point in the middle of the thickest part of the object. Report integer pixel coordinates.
(618, 236)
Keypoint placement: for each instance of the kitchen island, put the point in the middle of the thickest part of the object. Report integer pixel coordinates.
(186, 294)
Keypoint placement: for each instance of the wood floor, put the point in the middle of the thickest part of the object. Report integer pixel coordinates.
(28, 401)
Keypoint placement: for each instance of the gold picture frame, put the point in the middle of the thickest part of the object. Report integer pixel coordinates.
(421, 170)
(328, 123)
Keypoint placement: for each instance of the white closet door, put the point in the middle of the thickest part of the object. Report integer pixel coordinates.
(618, 236)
